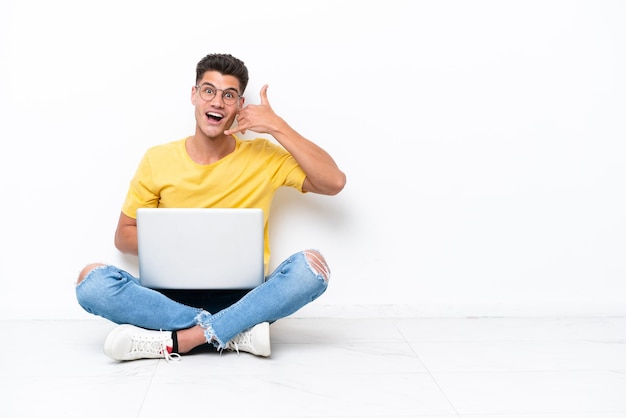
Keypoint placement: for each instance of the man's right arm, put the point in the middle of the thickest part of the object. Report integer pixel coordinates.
(126, 235)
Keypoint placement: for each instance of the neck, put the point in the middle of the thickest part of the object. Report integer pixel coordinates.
(205, 150)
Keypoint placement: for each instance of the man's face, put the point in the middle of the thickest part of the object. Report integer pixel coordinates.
(217, 102)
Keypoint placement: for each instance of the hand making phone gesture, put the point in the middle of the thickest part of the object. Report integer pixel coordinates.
(258, 118)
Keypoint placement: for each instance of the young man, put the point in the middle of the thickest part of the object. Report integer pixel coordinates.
(213, 168)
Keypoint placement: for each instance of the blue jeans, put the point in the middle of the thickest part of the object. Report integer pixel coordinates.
(116, 295)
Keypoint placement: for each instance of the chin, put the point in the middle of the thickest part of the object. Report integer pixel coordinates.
(213, 131)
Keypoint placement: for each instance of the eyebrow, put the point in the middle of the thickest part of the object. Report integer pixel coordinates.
(226, 89)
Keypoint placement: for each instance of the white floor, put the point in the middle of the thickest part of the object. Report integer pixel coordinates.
(467, 367)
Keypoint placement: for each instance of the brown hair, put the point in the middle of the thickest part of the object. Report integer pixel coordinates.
(225, 64)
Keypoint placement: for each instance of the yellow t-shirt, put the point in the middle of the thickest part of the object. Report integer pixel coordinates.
(246, 178)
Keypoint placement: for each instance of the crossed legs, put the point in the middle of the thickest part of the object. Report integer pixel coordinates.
(116, 295)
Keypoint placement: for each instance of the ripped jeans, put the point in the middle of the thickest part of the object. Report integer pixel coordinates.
(116, 295)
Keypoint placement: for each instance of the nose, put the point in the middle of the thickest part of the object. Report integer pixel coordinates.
(219, 97)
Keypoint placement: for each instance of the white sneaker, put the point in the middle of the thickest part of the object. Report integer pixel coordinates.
(255, 340)
(128, 342)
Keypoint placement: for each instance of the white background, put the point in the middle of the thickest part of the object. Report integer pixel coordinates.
(484, 144)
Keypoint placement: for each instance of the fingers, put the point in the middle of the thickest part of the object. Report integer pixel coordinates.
(231, 131)
(264, 100)
(243, 119)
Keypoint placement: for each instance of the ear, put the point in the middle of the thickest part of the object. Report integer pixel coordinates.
(193, 95)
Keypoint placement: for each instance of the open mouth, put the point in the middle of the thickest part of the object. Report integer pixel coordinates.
(214, 116)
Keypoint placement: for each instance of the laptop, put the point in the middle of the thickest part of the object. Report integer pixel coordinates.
(200, 248)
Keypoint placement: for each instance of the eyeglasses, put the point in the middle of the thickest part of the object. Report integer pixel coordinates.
(208, 92)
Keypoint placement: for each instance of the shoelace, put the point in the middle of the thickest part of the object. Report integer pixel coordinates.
(233, 347)
(151, 346)
(245, 339)
(170, 356)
